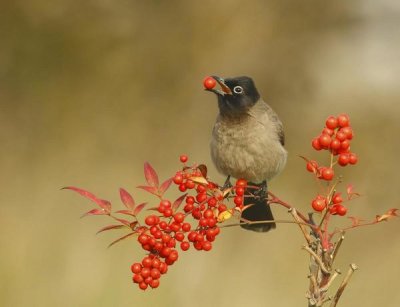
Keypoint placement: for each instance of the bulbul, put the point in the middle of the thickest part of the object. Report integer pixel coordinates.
(248, 142)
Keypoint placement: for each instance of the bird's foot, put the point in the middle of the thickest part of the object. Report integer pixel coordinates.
(227, 183)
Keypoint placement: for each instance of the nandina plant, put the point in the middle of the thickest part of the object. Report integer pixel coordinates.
(195, 219)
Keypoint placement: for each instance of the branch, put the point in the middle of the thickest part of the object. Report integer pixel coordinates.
(343, 285)
(318, 259)
(295, 215)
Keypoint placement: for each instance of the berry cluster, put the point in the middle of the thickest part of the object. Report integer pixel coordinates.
(335, 137)
(164, 232)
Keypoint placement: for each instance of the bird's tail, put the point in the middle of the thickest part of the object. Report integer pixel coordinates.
(259, 211)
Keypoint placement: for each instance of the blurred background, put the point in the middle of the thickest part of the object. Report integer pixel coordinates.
(90, 90)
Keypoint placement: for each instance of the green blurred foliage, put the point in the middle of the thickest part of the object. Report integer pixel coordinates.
(90, 90)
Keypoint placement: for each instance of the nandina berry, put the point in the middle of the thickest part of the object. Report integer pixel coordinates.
(156, 263)
(212, 201)
(211, 222)
(183, 158)
(343, 159)
(190, 200)
(178, 178)
(198, 245)
(173, 256)
(222, 208)
(185, 245)
(179, 217)
(341, 136)
(165, 252)
(343, 120)
(155, 273)
(166, 203)
(150, 220)
(241, 183)
(167, 212)
(145, 272)
(175, 226)
(201, 188)
(136, 268)
(143, 238)
(239, 191)
(327, 173)
(165, 238)
(186, 227)
(163, 267)
(315, 144)
(318, 204)
(137, 278)
(146, 262)
(331, 122)
(182, 187)
(353, 158)
(341, 210)
(312, 166)
(345, 144)
(238, 200)
(208, 213)
(209, 83)
(154, 283)
(179, 236)
(203, 222)
(201, 197)
(192, 236)
(324, 140)
(163, 225)
(143, 285)
(190, 184)
(188, 208)
(337, 198)
(348, 132)
(335, 144)
(328, 131)
(206, 245)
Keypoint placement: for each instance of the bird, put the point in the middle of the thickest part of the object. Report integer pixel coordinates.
(248, 143)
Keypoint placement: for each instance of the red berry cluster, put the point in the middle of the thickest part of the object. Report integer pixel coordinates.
(335, 137)
(170, 228)
(334, 204)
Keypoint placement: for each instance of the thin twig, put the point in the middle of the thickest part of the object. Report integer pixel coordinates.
(293, 212)
(337, 246)
(329, 283)
(343, 285)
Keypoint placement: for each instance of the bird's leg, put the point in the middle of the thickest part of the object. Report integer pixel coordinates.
(227, 183)
(262, 192)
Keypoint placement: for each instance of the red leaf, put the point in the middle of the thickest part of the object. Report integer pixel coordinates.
(389, 214)
(350, 192)
(95, 212)
(152, 190)
(127, 199)
(111, 227)
(122, 238)
(105, 204)
(178, 202)
(164, 186)
(127, 212)
(151, 175)
(122, 221)
(139, 208)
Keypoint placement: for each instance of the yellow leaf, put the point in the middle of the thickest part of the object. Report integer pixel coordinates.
(223, 216)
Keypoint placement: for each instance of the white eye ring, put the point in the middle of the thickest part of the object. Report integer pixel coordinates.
(238, 89)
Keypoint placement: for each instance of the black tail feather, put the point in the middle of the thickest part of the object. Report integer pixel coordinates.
(259, 211)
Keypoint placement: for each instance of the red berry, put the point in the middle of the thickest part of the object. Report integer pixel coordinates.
(318, 204)
(328, 131)
(341, 210)
(348, 132)
(201, 197)
(136, 268)
(186, 227)
(137, 278)
(190, 184)
(341, 136)
(150, 220)
(343, 120)
(183, 158)
(209, 83)
(343, 159)
(165, 252)
(327, 173)
(178, 178)
(185, 245)
(206, 245)
(238, 200)
(331, 122)
(337, 198)
(315, 144)
(182, 187)
(203, 222)
(143, 285)
(143, 238)
(173, 256)
(312, 166)
(145, 272)
(222, 208)
(333, 209)
(335, 144)
(179, 236)
(345, 144)
(156, 263)
(167, 212)
(154, 283)
(201, 188)
(241, 183)
(155, 273)
(213, 201)
(192, 236)
(353, 158)
(211, 222)
(163, 268)
(324, 140)
(190, 200)
(239, 191)
(179, 217)
(147, 261)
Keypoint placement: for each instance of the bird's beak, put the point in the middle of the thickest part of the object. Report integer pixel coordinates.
(225, 90)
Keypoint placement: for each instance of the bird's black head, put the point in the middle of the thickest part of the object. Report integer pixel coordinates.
(236, 96)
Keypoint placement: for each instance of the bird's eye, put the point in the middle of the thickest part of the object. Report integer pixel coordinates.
(238, 89)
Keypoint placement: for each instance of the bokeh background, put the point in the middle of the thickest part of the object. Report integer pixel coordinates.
(90, 90)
